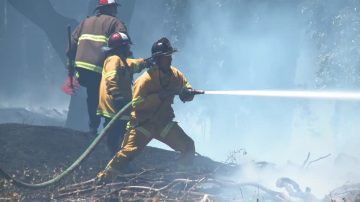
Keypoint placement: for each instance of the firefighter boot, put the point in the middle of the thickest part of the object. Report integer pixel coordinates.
(107, 175)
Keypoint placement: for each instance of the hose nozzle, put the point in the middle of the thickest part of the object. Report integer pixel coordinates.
(197, 92)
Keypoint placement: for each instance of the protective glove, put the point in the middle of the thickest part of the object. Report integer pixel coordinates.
(187, 94)
(69, 88)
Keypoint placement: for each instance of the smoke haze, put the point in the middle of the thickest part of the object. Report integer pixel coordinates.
(231, 45)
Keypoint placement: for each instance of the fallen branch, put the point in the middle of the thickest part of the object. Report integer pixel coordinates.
(306, 160)
(318, 159)
(191, 188)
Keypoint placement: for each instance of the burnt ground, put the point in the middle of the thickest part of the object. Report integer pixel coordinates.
(35, 154)
(38, 153)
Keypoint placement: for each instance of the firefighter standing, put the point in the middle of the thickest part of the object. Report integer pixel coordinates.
(87, 40)
(115, 85)
(152, 115)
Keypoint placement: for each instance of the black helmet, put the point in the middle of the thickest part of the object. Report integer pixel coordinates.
(162, 47)
(117, 40)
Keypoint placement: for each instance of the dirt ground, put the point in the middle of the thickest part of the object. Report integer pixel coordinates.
(35, 154)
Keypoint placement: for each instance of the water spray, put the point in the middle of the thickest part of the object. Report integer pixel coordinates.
(330, 95)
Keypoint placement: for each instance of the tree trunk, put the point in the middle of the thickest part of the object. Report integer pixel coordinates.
(42, 13)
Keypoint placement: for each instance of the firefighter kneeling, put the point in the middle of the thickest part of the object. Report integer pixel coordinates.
(152, 115)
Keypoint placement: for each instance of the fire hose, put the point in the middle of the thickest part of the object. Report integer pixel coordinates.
(82, 157)
(75, 164)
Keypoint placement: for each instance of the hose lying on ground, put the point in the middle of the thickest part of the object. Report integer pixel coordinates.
(74, 165)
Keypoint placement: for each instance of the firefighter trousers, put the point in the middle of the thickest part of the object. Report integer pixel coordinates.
(92, 105)
(91, 81)
(136, 139)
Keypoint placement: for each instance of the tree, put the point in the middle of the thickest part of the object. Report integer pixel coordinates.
(43, 14)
